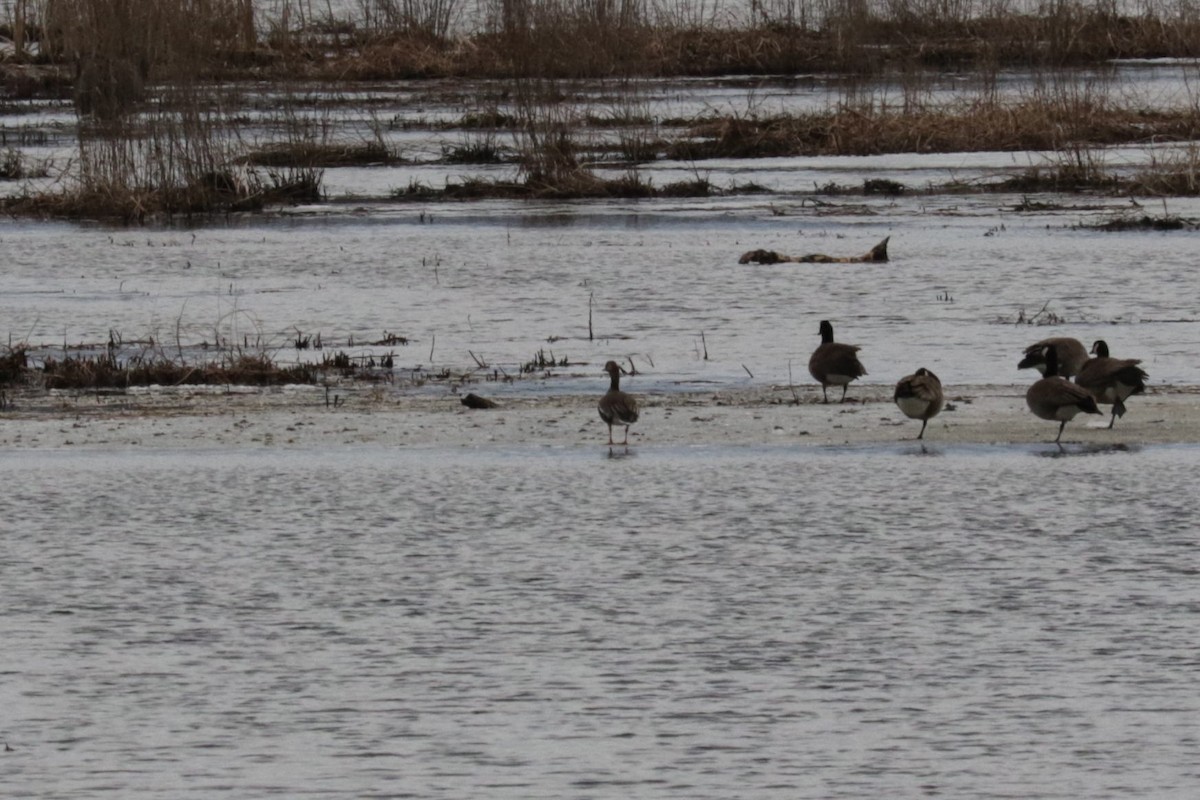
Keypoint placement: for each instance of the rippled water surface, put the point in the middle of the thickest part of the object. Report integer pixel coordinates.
(545, 623)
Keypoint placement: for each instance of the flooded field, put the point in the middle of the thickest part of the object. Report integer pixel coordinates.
(273, 617)
(779, 622)
(661, 283)
(499, 282)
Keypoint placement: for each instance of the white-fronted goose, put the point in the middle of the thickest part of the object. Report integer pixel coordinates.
(834, 364)
(617, 407)
(1072, 355)
(1111, 380)
(919, 396)
(1057, 399)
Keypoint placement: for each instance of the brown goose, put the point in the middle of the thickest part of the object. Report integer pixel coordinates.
(919, 396)
(617, 407)
(1057, 399)
(1071, 355)
(1111, 380)
(835, 364)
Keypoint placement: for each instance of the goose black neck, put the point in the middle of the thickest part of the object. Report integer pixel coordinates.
(826, 332)
(1051, 361)
(1100, 349)
(615, 384)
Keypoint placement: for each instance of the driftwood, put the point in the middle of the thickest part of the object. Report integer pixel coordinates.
(877, 254)
(475, 401)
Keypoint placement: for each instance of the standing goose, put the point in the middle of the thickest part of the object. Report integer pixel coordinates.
(1072, 355)
(834, 364)
(919, 396)
(617, 407)
(1111, 380)
(1057, 399)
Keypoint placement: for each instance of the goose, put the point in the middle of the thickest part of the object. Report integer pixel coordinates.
(1057, 399)
(1111, 380)
(1071, 355)
(834, 364)
(919, 396)
(617, 407)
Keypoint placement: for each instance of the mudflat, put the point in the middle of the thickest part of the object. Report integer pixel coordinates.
(308, 417)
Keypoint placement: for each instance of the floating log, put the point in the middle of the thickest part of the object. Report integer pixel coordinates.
(475, 401)
(876, 254)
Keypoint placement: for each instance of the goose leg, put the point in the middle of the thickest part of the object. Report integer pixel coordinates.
(824, 393)
(610, 441)
(845, 386)
(921, 435)
(1113, 419)
(626, 435)
(1061, 425)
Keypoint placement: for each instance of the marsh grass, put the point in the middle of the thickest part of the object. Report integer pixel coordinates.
(105, 371)
(1174, 172)
(171, 152)
(157, 133)
(1037, 123)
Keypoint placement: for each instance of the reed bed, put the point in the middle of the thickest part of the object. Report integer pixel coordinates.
(1036, 123)
(158, 134)
(115, 47)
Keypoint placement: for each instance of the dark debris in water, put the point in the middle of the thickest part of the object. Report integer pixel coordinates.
(1145, 223)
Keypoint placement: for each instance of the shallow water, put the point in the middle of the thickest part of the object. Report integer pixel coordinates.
(971, 622)
(500, 282)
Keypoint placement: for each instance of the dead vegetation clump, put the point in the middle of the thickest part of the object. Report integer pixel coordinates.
(107, 372)
(543, 362)
(201, 195)
(13, 366)
(11, 166)
(313, 155)
(1145, 222)
(579, 185)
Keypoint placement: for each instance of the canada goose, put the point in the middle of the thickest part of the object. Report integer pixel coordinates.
(1057, 399)
(834, 364)
(1071, 355)
(919, 396)
(1111, 380)
(617, 407)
